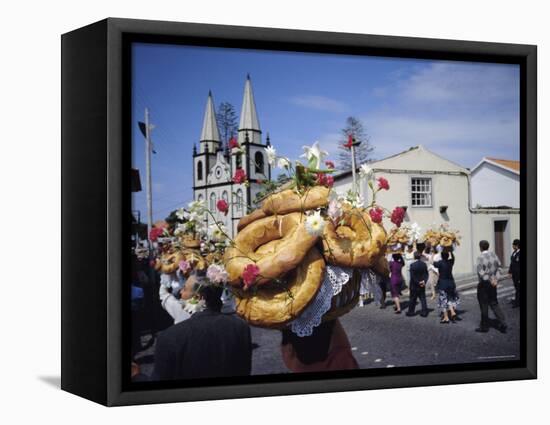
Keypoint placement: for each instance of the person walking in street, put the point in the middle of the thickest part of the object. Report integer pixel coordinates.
(409, 259)
(209, 344)
(396, 280)
(488, 271)
(417, 285)
(433, 276)
(514, 271)
(446, 288)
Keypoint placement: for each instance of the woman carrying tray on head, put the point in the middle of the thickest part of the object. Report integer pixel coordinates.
(396, 279)
(446, 287)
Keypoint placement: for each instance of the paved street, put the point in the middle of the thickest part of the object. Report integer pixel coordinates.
(380, 338)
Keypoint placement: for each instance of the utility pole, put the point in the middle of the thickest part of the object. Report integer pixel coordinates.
(148, 149)
(353, 166)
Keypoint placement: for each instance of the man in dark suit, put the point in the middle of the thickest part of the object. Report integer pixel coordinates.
(208, 344)
(417, 285)
(514, 271)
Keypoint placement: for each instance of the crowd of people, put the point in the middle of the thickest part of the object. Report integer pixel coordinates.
(216, 343)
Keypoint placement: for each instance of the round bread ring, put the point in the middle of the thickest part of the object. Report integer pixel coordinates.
(295, 243)
(288, 201)
(247, 219)
(357, 242)
(168, 262)
(271, 306)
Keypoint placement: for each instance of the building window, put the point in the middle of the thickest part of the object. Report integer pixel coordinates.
(225, 197)
(199, 170)
(239, 161)
(212, 202)
(421, 192)
(239, 206)
(259, 162)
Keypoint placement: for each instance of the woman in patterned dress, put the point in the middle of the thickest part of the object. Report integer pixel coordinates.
(396, 280)
(446, 287)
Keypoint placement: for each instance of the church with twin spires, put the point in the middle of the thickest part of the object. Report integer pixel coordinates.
(214, 165)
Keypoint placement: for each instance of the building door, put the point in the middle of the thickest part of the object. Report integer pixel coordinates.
(500, 229)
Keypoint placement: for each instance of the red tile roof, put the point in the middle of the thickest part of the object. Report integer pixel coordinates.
(513, 165)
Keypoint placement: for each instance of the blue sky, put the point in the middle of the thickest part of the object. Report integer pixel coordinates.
(459, 110)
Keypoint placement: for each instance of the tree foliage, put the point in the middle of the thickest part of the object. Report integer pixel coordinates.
(363, 152)
(227, 121)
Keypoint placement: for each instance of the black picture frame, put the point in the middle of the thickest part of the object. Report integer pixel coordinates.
(95, 203)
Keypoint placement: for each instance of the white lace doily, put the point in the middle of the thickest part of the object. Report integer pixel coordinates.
(335, 278)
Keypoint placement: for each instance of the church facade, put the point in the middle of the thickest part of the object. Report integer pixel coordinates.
(215, 165)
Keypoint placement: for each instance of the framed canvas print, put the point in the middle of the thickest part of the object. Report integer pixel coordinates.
(251, 212)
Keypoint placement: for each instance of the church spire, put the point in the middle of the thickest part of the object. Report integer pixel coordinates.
(249, 117)
(210, 132)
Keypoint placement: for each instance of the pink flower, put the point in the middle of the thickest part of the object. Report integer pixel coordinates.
(383, 183)
(155, 233)
(240, 176)
(184, 266)
(397, 216)
(233, 143)
(216, 274)
(250, 273)
(329, 181)
(222, 206)
(376, 214)
(330, 164)
(334, 210)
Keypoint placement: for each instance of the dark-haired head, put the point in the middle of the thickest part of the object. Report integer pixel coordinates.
(417, 255)
(212, 296)
(516, 243)
(313, 348)
(483, 245)
(445, 255)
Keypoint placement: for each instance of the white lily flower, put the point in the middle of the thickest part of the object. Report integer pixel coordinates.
(198, 207)
(180, 213)
(366, 172)
(315, 224)
(271, 154)
(283, 163)
(180, 229)
(217, 232)
(314, 155)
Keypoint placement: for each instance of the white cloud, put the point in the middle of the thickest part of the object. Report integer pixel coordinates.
(462, 111)
(321, 103)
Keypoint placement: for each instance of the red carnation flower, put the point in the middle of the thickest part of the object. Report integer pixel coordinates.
(250, 273)
(397, 216)
(376, 214)
(233, 143)
(383, 183)
(222, 206)
(240, 176)
(330, 164)
(325, 180)
(155, 233)
(350, 142)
